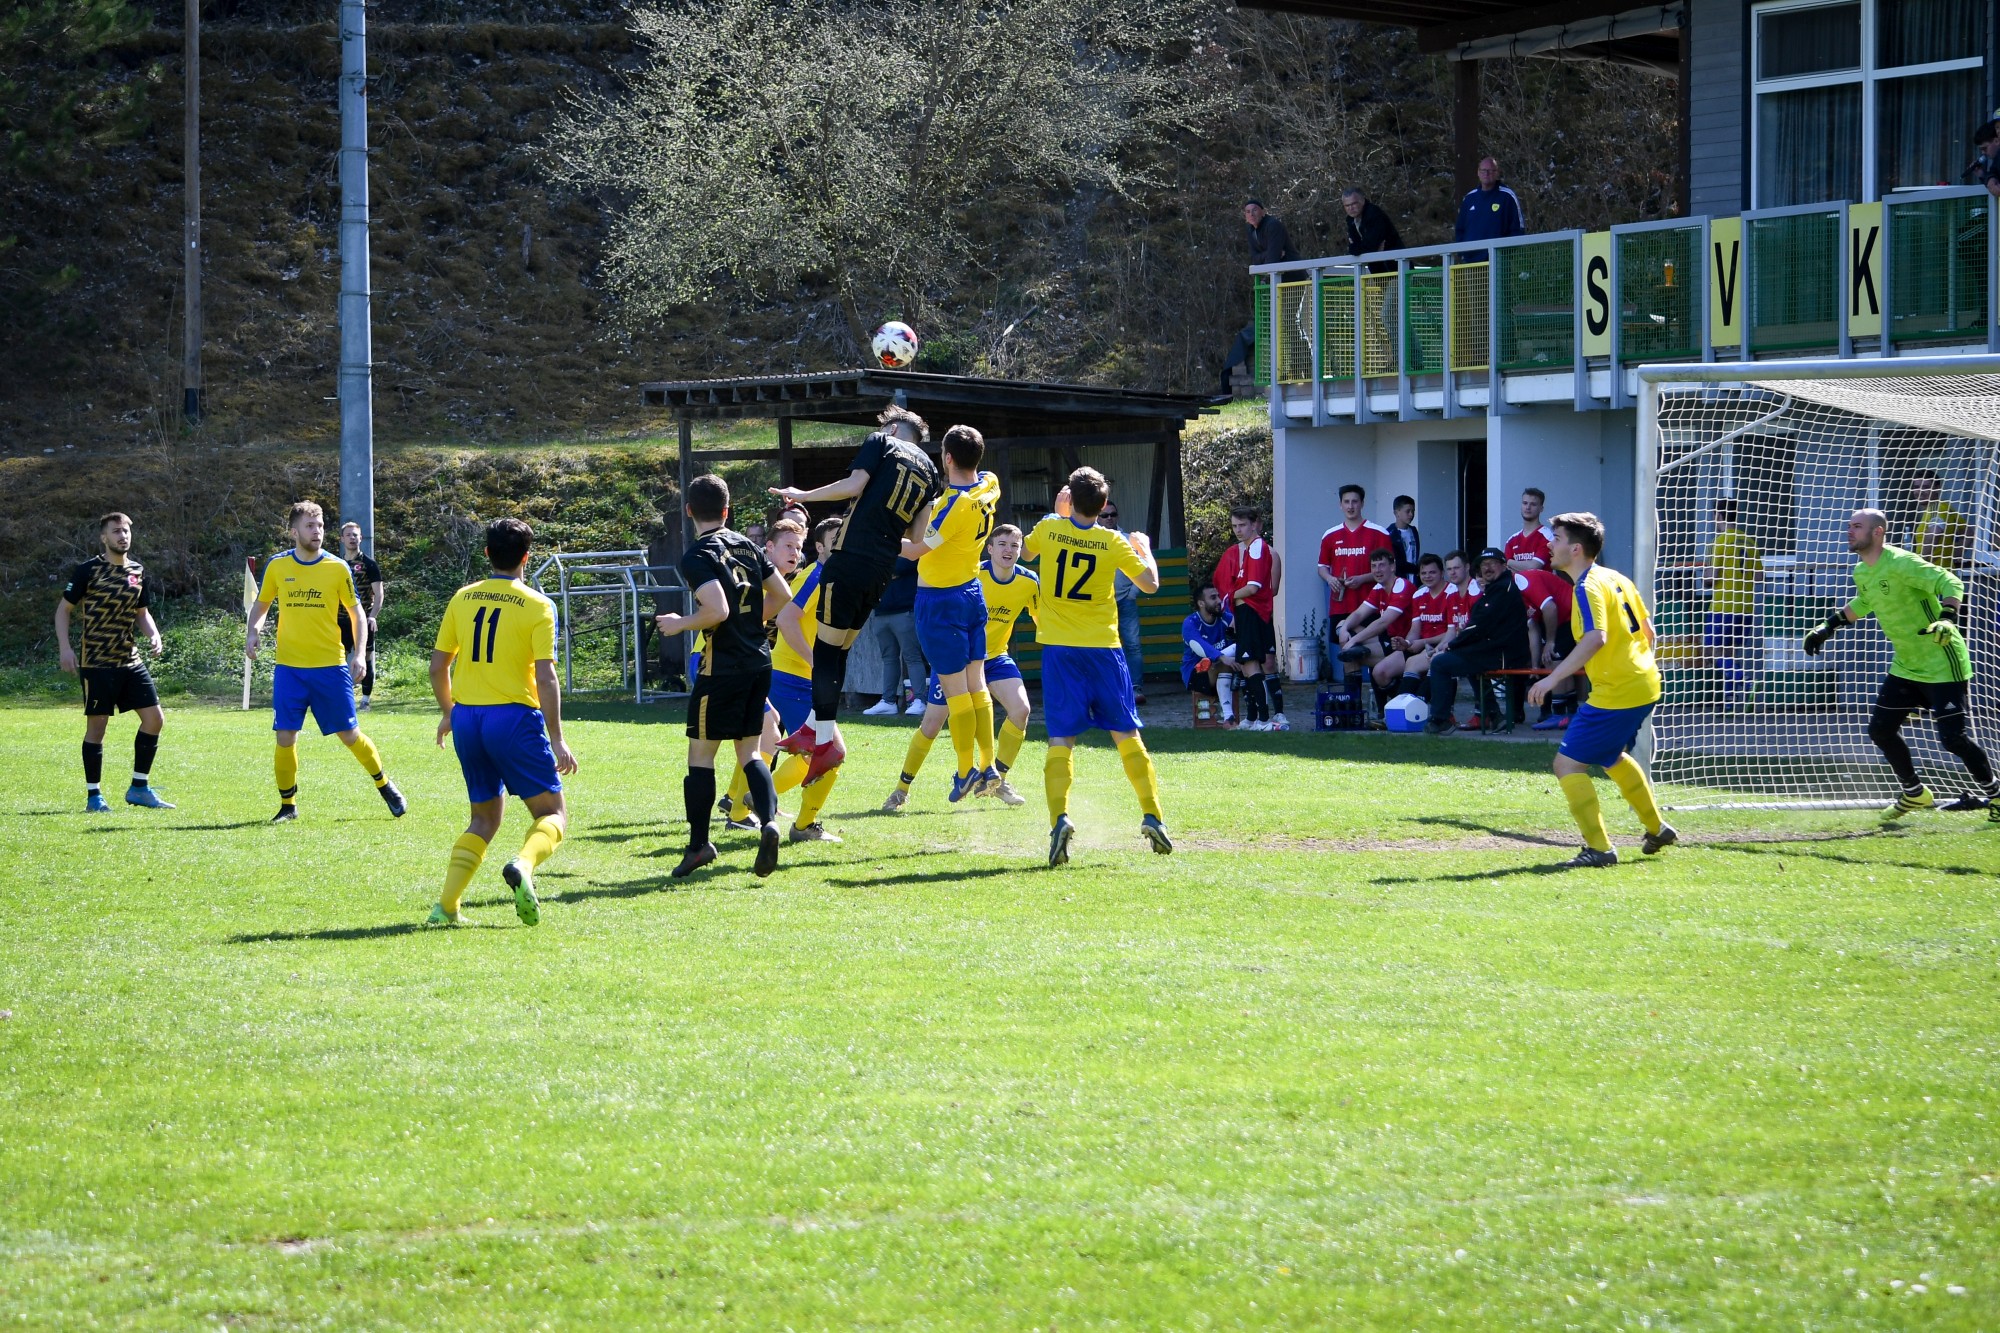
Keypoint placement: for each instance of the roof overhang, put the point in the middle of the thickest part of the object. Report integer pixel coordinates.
(1612, 30)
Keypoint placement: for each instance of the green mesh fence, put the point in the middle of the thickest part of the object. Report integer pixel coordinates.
(1260, 327)
(1795, 282)
(1537, 306)
(1938, 269)
(1336, 324)
(1659, 285)
(1423, 295)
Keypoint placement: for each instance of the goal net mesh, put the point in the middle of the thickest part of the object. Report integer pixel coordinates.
(1754, 486)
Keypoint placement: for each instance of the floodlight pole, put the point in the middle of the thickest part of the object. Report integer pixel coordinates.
(357, 410)
(191, 391)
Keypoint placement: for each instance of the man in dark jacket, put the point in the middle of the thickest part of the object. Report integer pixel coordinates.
(1495, 636)
(1488, 213)
(1369, 229)
(1269, 244)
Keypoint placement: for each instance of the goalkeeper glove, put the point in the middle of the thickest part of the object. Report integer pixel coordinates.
(1945, 628)
(1827, 628)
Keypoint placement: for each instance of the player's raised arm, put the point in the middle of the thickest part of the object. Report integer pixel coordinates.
(1146, 570)
(845, 489)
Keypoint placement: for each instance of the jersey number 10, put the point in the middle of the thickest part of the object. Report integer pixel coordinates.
(487, 622)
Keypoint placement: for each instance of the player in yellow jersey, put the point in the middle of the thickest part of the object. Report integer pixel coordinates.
(493, 671)
(1733, 567)
(951, 609)
(1009, 590)
(309, 586)
(1614, 648)
(1085, 683)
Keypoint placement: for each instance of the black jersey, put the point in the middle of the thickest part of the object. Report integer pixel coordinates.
(741, 567)
(108, 599)
(366, 572)
(902, 482)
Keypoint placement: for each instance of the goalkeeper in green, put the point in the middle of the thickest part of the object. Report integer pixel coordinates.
(1917, 605)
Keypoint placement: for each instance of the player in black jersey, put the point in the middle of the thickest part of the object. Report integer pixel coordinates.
(113, 598)
(736, 591)
(892, 484)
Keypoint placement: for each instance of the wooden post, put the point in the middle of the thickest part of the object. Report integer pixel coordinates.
(191, 387)
(1156, 492)
(1465, 126)
(784, 451)
(1176, 501)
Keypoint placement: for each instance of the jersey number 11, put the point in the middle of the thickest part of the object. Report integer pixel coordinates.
(488, 622)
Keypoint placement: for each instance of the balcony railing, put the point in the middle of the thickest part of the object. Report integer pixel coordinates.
(1442, 330)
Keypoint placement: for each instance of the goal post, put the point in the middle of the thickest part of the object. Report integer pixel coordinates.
(1747, 475)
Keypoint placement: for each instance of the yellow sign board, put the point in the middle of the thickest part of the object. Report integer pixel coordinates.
(1597, 298)
(1865, 262)
(1725, 282)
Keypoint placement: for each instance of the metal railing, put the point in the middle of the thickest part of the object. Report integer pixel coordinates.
(588, 577)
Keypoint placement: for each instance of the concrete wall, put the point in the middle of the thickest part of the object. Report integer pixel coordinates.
(1719, 136)
(1582, 460)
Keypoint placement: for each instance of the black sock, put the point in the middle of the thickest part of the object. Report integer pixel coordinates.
(144, 746)
(829, 675)
(698, 791)
(763, 795)
(1888, 738)
(1253, 699)
(1277, 690)
(93, 763)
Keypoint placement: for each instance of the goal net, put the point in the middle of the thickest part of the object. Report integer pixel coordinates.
(1752, 481)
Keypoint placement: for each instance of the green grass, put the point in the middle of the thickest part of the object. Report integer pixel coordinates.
(1289, 1077)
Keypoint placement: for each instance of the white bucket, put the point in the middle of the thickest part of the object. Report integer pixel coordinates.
(1302, 658)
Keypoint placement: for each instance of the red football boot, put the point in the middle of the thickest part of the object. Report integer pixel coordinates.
(799, 742)
(826, 758)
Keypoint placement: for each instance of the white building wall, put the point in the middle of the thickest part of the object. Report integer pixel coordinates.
(1582, 460)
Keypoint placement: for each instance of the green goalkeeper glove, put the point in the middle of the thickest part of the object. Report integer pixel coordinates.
(1826, 629)
(1944, 630)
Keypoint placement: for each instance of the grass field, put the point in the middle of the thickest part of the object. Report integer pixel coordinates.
(1349, 1059)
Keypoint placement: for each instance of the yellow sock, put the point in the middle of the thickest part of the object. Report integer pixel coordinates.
(813, 799)
(369, 757)
(913, 759)
(791, 771)
(1058, 771)
(544, 836)
(958, 709)
(287, 767)
(982, 726)
(1583, 807)
(1144, 777)
(739, 790)
(1011, 737)
(466, 854)
(1631, 780)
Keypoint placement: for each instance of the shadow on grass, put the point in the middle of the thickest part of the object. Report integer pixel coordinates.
(334, 934)
(1479, 876)
(1474, 826)
(930, 877)
(1803, 851)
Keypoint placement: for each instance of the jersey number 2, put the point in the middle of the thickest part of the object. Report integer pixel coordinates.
(487, 622)
(1080, 563)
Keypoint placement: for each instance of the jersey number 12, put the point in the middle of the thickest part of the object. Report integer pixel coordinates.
(1080, 563)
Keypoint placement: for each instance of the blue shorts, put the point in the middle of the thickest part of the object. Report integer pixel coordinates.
(792, 697)
(1728, 633)
(951, 627)
(1003, 667)
(1600, 735)
(328, 691)
(1084, 688)
(503, 749)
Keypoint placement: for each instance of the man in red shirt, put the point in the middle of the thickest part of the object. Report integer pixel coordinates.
(1428, 621)
(1529, 548)
(1551, 599)
(1345, 553)
(1364, 634)
(1244, 578)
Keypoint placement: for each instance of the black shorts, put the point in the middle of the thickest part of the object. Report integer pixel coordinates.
(1255, 640)
(728, 708)
(1904, 697)
(125, 689)
(848, 591)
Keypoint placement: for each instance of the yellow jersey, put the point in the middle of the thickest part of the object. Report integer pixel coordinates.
(498, 629)
(308, 595)
(1938, 535)
(1735, 561)
(805, 596)
(1075, 609)
(1004, 604)
(960, 520)
(1622, 673)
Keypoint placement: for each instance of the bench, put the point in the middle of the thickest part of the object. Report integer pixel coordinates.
(1482, 690)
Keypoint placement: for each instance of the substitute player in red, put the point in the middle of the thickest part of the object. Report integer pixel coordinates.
(1244, 578)
(1529, 548)
(1345, 564)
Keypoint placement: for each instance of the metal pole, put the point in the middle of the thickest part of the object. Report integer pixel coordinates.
(357, 414)
(191, 389)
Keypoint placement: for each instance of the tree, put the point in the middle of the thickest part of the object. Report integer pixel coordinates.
(854, 143)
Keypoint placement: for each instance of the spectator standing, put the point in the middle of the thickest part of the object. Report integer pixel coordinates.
(1208, 656)
(1345, 552)
(1369, 229)
(1269, 244)
(1529, 548)
(1937, 534)
(1489, 213)
(1126, 594)
(1404, 538)
(1246, 581)
(1985, 168)
(892, 631)
(1495, 636)
(368, 591)
(1733, 565)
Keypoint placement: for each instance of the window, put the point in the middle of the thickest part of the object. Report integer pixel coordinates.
(1857, 99)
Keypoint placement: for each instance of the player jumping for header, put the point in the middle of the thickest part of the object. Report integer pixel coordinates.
(308, 586)
(892, 484)
(113, 598)
(493, 671)
(1614, 647)
(1085, 683)
(1917, 605)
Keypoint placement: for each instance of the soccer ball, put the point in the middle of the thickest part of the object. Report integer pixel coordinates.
(1407, 712)
(895, 345)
